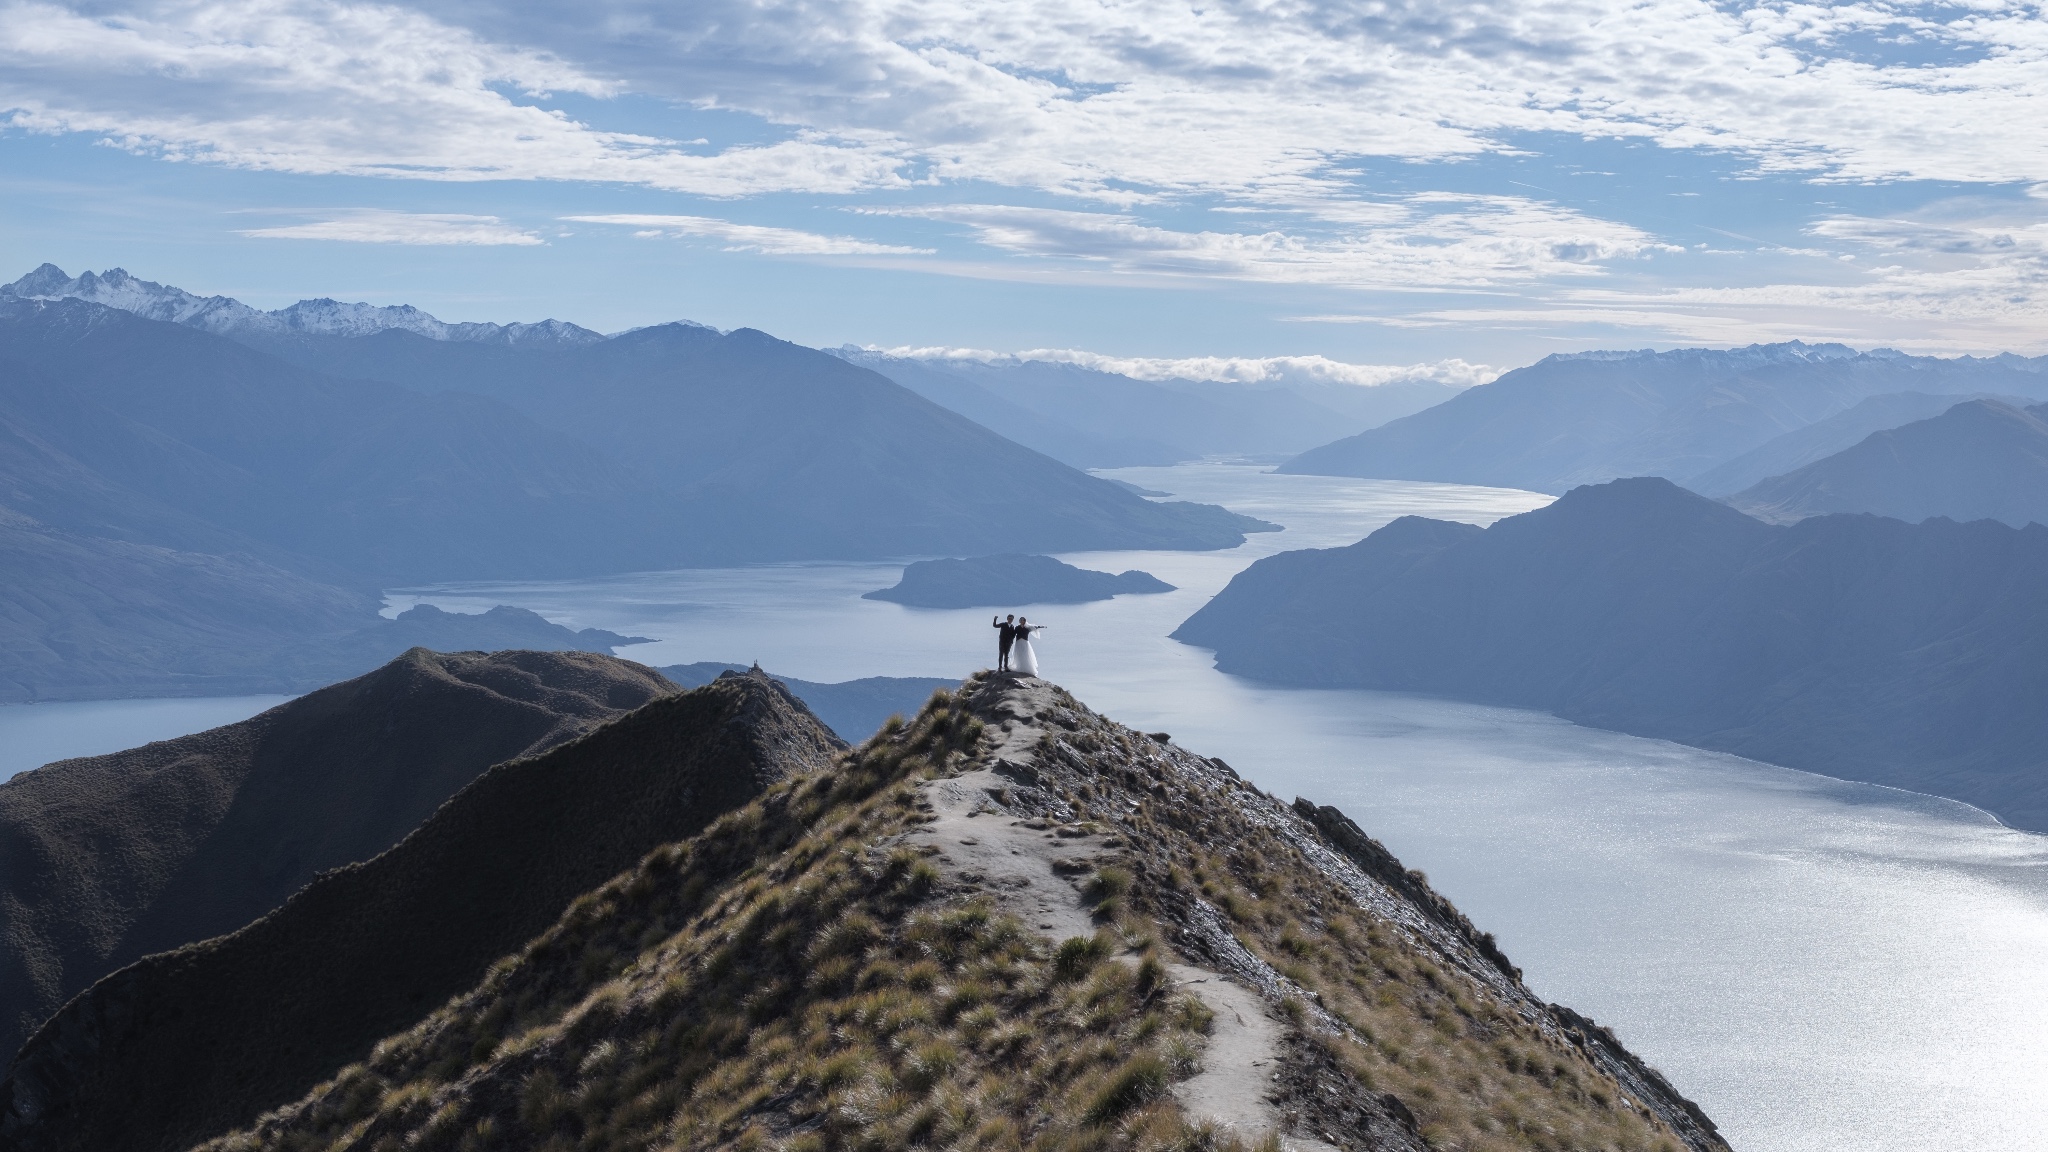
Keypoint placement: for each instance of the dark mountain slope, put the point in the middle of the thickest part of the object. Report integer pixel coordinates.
(1861, 647)
(1824, 438)
(111, 857)
(186, 1044)
(853, 709)
(1010, 924)
(785, 452)
(132, 419)
(1586, 418)
(1979, 460)
(87, 618)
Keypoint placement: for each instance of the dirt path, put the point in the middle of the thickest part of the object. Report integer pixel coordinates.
(1035, 868)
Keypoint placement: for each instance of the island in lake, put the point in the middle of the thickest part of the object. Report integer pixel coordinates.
(999, 581)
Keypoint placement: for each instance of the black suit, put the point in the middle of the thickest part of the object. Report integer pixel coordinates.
(1006, 635)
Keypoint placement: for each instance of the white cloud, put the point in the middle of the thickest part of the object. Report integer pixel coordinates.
(753, 237)
(1116, 98)
(1428, 240)
(380, 227)
(1232, 369)
(360, 89)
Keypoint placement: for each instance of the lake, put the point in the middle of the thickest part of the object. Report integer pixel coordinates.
(1821, 965)
(32, 735)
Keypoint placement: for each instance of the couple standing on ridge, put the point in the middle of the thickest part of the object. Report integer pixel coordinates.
(1013, 645)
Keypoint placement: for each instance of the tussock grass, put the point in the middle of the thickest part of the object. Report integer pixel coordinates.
(788, 981)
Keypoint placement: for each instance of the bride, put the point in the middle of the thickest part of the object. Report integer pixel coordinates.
(1023, 660)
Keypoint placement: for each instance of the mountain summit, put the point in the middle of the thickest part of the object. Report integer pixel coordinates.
(226, 316)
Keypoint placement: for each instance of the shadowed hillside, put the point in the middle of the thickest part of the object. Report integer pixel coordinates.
(186, 1044)
(1010, 924)
(1980, 460)
(107, 858)
(1590, 417)
(1858, 646)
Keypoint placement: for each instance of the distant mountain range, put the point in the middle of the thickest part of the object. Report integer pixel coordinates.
(1978, 460)
(1913, 655)
(1586, 418)
(197, 497)
(1095, 419)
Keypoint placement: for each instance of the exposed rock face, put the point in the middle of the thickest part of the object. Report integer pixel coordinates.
(186, 1044)
(1008, 924)
(109, 858)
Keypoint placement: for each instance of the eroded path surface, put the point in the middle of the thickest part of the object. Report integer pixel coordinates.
(1035, 865)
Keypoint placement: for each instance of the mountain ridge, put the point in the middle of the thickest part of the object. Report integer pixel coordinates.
(1851, 645)
(108, 858)
(1587, 418)
(1978, 460)
(169, 1050)
(1007, 920)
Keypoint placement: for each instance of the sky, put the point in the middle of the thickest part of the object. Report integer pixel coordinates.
(1378, 187)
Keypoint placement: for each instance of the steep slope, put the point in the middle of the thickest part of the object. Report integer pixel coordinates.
(1010, 924)
(1056, 435)
(162, 434)
(784, 452)
(1590, 417)
(185, 1044)
(1979, 460)
(107, 858)
(853, 709)
(89, 618)
(1857, 646)
(1824, 438)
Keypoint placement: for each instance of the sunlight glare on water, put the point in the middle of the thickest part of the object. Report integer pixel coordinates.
(1823, 966)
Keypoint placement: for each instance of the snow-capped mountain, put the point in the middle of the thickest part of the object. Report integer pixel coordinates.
(115, 288)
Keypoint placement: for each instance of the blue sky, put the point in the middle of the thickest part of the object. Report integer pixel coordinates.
(1428, 187)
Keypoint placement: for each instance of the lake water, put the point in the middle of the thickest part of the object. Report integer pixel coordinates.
(1825, 967)
(32, 735)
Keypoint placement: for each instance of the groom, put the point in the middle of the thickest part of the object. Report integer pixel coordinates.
(1006, 635)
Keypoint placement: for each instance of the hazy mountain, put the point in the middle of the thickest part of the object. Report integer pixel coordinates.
(1824, 438)
(108, 858)
(85, 618)
(1099, 419)
(713, 447)
(1010, 581)
(1590, 417)
(1858, 646)
(186, 1044)
(855, 960)
(1058, 436)
(1979, 460)
(853, 709)
(115, 288)
(784, 452)
(157, 433)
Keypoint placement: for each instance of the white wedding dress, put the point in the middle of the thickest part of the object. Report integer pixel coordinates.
(1024, 661)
